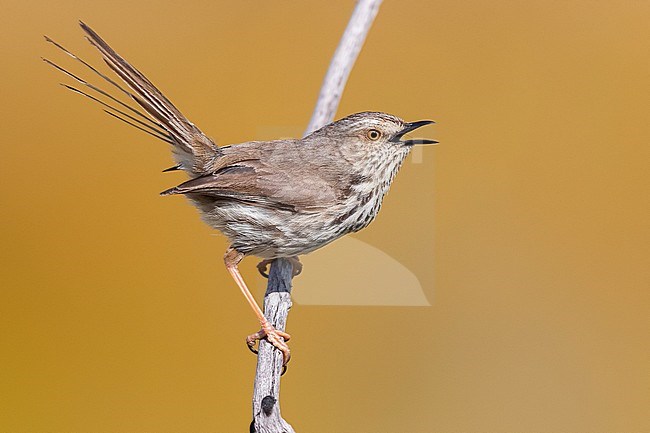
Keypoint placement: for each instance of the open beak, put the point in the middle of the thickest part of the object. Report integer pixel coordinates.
(411, 127)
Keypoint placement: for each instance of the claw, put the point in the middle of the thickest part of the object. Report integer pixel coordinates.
(264, 264)
(261, 267)
(297, 266)
(251, 339)
(277, 338)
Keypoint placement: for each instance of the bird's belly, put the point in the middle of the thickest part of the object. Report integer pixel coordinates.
(271, 233)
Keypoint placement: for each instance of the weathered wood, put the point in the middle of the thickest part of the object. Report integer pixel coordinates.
(277, 300)
(277, 303)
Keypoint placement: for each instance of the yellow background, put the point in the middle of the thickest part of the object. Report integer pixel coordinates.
(527, 226)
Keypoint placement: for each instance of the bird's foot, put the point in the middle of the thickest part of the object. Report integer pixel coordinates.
(295, 262)
(277, 338)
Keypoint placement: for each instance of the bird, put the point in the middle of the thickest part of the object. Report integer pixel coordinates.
(271, 199)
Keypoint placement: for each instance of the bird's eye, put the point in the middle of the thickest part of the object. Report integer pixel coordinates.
(374, 135)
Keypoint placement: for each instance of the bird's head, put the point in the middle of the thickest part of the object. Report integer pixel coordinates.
(373, 132)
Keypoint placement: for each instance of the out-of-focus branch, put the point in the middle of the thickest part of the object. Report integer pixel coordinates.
(342, 62)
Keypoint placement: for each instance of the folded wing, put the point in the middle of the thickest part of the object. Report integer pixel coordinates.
(252, 176)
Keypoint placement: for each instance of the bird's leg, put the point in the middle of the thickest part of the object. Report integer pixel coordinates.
(295, 262)
(273, 336)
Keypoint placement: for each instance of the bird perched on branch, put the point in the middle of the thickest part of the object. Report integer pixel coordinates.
(271, 199)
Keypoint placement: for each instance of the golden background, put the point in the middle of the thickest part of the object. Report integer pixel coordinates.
(527, 227)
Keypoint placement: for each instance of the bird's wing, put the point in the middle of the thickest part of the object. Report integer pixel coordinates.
(259, 179)
(193, 149)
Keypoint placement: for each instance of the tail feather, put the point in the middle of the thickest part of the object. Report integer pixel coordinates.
(89, 66)
(194, 151)
(184, 132)
(150, 129)
(101, 92)
(138, 127)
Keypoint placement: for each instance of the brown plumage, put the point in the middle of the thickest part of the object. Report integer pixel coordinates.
(272, 199)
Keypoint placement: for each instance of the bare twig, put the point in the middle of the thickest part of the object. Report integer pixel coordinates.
(342, 63)
(277, 300)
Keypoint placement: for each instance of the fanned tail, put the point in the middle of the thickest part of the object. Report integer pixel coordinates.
(193, 150)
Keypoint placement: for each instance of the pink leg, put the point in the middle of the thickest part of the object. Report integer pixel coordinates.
(273, 336)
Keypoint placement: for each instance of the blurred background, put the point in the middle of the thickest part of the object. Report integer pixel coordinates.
(526, 228)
